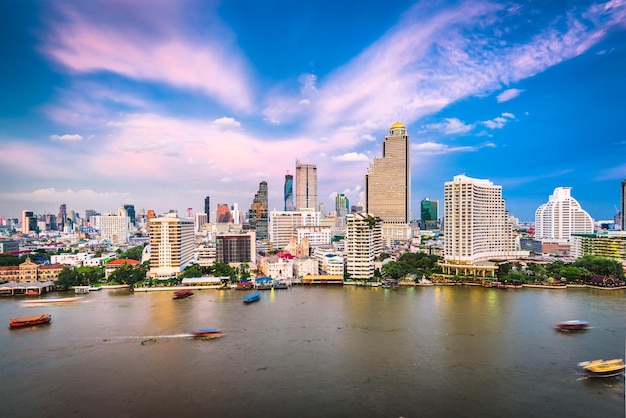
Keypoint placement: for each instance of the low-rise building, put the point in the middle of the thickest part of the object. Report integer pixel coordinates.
(30, 272)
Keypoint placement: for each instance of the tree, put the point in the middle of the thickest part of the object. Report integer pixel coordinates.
(192, 270)
(90, 275)
(68, 277)
(127, 274)
(395, 269)
(223, 269)
(600, 266)
(133, 253)
(571, 273)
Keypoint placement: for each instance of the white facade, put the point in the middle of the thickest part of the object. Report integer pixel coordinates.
(171, 245)
(113, 228)
(561, 217)
(330, 262)
(317, 235)
(305, 266)
(476, 223)
(363, 245)
(306, 186)
(276, 267)
(282, 225)
(201, 219)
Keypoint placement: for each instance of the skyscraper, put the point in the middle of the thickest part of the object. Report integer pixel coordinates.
(477, 226)
(130, 211)
(363, 245)
(223, 214)
(429, 214)
(388, 179)
(171, 245)
(29, 222)
(207, 206)
(341, 204)
(289, 192)
(561, 217)
(306, 186)
(62, 217)
(258, 213)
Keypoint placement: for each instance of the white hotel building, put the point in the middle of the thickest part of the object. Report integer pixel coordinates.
(561, 217)
(283, 224)
(171, 245)
(476, 224)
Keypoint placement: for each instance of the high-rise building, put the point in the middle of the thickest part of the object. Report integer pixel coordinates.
(236, 248)
(257, 215)
(171, 245)
(29, 222)
(62, 217)
(201, 219)
(342, 203)
(306, 186)
(130, 210)
(207, 206)
(322, 208)
(224, 216)
(289, 193)
(282, 225)
(388, 179)
(561, 217)
(623, 206)
(477, 226)
(363, 245)
(113, 228)
(429, 214)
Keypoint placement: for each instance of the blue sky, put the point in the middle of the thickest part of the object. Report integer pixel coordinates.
(160, 103)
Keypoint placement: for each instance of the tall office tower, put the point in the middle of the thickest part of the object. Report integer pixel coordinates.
(364, 244)
(236, 213)
(388, 179)
(561, 217)
(283, 225)
(623, 206)
(223, 214)
(89, 213)
(207, 206)
(477, 226)
(322, 208)
(430, 214)
(113, 228)
(130, 210)
(342, 203)
(62, 217)
(257, 215)
(306, 186)
(201, 219)
(289, 192)
(171, 245)
(29, 222)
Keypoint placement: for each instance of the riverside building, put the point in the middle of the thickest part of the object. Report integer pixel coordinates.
(363, 245)
(388, 185)
(561, 217)
(171, 245)
(476, 227)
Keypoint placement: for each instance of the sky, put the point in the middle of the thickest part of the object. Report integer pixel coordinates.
(160, 103)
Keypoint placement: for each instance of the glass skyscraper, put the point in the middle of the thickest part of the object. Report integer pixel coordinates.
(289, 193)
(429, 214)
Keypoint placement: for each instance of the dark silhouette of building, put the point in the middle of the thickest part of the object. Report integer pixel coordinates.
(257, 215)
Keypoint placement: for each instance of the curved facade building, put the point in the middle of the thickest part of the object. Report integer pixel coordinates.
(561, 217)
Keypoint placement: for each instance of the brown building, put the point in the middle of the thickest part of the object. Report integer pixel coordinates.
(30, 272)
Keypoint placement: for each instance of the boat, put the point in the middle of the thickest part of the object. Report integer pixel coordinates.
(206, 333)
(51, 301)
(81, 290)
(244, 285)
(603, 368)
(182, 294)
(252, 298)
(572, 325)
(28, 321)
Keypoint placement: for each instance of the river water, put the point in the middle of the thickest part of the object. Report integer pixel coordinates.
(441, 351)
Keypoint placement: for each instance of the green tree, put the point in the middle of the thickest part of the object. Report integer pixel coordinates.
(601, 266)
(68, 277)
(223, 269)
(90, 275)
(133, 253)
(192, 270)
(395, 269)
(571, 273)
(127, 274)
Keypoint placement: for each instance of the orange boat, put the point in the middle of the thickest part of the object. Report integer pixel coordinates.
(30, 320)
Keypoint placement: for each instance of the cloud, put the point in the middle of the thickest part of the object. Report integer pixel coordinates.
(224, 124)
(500, 121)
(66, 138)
(73, 198)
(434, 148)
(451, 126)
(159, 52)
(351, 157)
(509, 94)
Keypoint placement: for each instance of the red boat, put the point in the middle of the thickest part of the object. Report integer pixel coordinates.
(572, 325)
(28, 321)
(244, 286)
(206, 333)
(182, 294)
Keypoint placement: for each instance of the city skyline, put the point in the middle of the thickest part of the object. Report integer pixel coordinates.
(161, 104)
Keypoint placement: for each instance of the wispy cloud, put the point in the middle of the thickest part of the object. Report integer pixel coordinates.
(66, 138)
(500, 121)
(509, 94)
(351, 157)
(450, 126)
(434, 148)
(213, 66)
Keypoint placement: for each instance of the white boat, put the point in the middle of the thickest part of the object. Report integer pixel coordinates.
(51, 301)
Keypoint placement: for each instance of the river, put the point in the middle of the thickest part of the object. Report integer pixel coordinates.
(440, 351)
